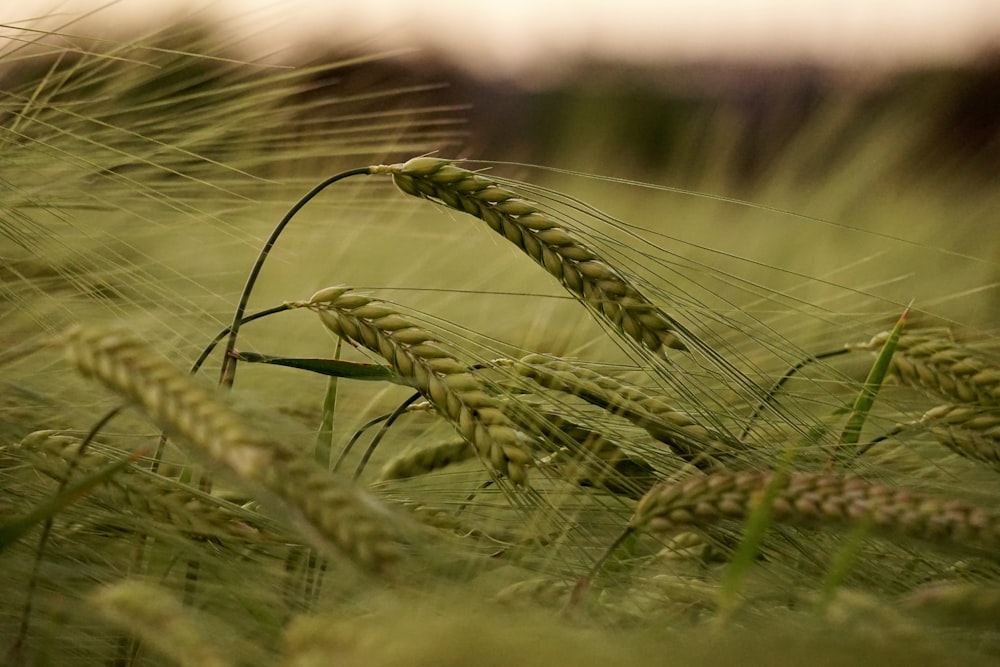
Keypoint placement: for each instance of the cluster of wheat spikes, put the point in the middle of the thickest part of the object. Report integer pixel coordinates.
(528, 509)
(588, 437)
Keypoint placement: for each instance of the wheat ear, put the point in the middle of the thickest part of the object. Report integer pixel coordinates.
(936, 363)
(968, 430)
(678, 430)
(819, 500)
(331, 511)
(581, 455)
(154, 616)
(551, 244)
(170, 503)
(426, 460)
(422, 360)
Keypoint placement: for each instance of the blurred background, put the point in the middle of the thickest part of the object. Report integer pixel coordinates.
(628, 85)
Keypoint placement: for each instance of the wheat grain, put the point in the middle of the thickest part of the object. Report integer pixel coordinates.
(426, 459)
(330, 511)
(688, 439)
(549, 243)
(819, 500)
(164, 623)
(934, 362)
(422, 360)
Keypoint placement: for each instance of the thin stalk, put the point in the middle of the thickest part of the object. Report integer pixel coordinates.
(228, 373)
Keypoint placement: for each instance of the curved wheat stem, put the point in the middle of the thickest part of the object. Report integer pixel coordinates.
(421, 359)
(687, 438)
(330, 511)
(968, 430)
(817, 499)
(555, 248)
(938, 364)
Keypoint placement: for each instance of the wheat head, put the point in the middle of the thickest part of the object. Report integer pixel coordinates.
(330, 511)
(691, 441)
(153, 615)
(148, 496)
(936, 363)
(422, 360)
(553, 246)
(819, 500)
(582, 455)
(970, 431)
(426, 460)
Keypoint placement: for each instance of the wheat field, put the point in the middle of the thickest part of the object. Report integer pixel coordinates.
(284, 384)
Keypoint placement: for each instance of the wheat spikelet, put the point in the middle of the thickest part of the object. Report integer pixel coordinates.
(554, 247)
(936, 363)
(164, 623)
(329, 510)
(817, 499)
(678, 430)
(427, 459)
(422, 360)
(968, 430)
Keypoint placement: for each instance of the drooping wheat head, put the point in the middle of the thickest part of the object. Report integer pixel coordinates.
(688, 439)
(970, 431)
(421, 359)
(139, 494)
(553, 246)
(426, 460)
(817, 499)
(934, 362)
(330, 511)
(173, 629)
(582, 455)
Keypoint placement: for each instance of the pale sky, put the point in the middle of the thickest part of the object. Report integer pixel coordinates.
(520, 38)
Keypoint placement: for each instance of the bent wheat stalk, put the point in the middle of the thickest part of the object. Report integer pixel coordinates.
(330, 511)
(555, 248)
(817, 499)
(420, 359)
